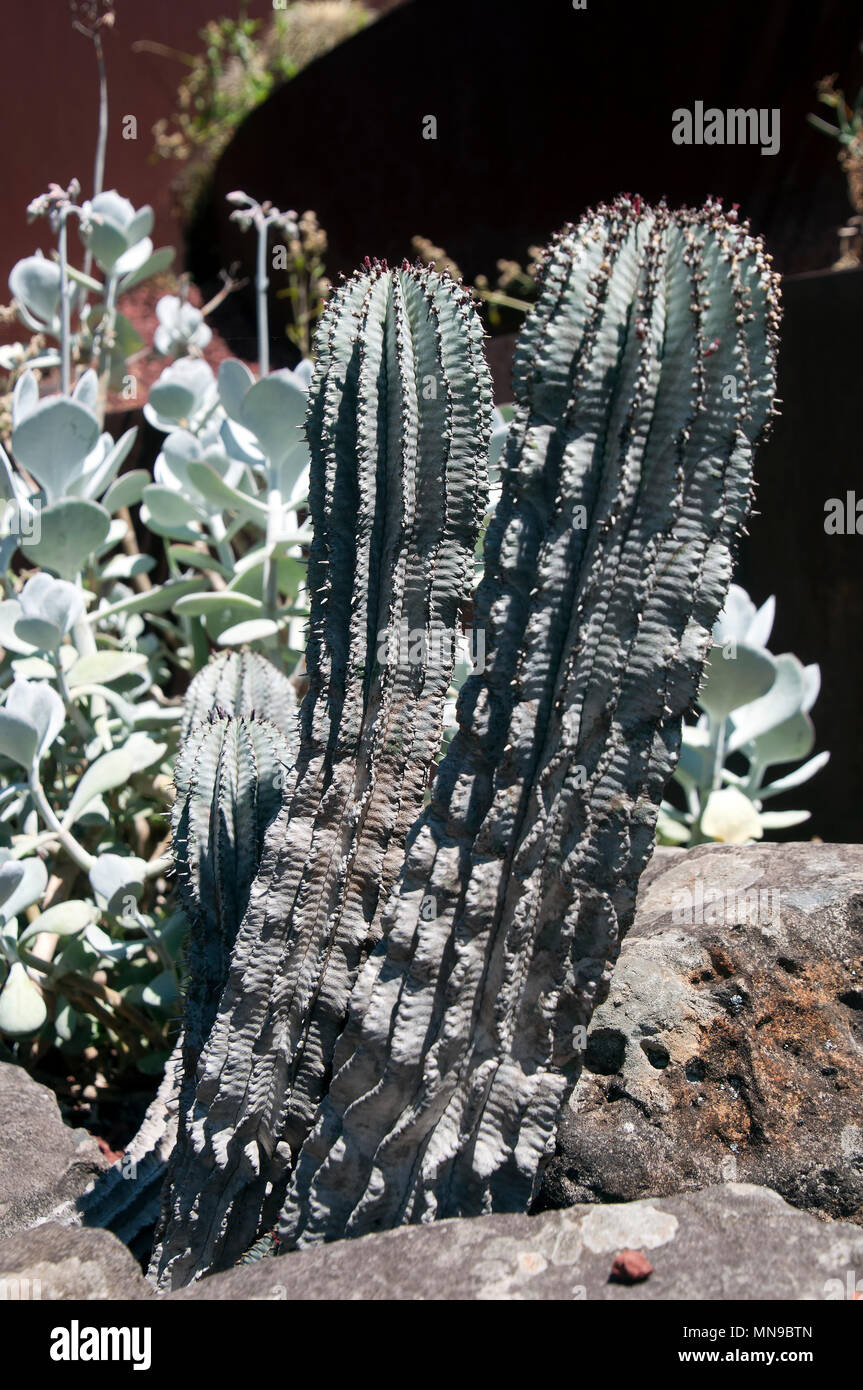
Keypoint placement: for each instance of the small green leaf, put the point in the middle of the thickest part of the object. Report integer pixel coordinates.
(72, 529)
(214, 489)
(99, 668)
(64, 919)
(118, 878)
(217, 603)
(22, 1008)
(253, 631)
(156, 600)
(127, 491)
(111, 770)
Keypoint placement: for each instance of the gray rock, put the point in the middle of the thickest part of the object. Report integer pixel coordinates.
(728, 1050)
(43, 1163)
(67, 1262)
(727, 1242)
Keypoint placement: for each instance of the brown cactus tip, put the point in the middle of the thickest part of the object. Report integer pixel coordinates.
(630, 1267)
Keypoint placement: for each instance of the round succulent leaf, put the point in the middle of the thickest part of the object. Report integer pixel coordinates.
(785, 698)
(22, 1007)
(218, 604)
(733, 622)
(155, 263)
(112, 770)
(219, 493)
(795, 778)
(10, 616)
(86, 390)
(25, 397)
(761, 626)
(730, 817)
(274, 409)
(29, 889)
(71, 531)
(126, 491)
(783, 820)
(253, 631)
(159, 993)
(116, 878)
(63, 919)
(170, 509)
(235, 380)
(784, 743)
(12, 873)
(100, 668)
(734, 675)
(171, 400)
(55, 601)
(19, 739)
(35, 283)
(53, 440)
(102, 465)
(38, 704)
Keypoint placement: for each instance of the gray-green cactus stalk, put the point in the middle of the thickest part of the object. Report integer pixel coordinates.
(241, 683)
(231, 779)
(398, 427)
(643, 377)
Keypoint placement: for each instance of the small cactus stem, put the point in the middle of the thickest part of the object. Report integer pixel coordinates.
(230, 785)
(242, 682)
(626, 482)
(398, 425)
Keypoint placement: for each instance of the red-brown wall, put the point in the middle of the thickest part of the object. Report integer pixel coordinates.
(50, 103)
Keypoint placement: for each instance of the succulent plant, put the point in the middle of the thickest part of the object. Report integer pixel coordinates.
(181, 327)
(643, 376)
(231, 779)
(406, 1001)
(398, 427)
(117, 234)
(753, 705)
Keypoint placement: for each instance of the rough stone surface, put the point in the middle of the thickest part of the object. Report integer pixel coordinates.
(43, 1163)
(68, 1262)
(730, 1242)
(728, 1051)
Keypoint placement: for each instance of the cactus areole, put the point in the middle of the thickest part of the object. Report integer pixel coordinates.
(372, 1062)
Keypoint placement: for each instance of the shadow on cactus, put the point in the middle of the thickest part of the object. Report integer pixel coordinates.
(408, 992)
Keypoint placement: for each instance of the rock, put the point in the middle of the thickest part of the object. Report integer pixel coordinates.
(734, 1241)
(62, 1262)
(43, 1163)
(728, 1051)
(630, 1267)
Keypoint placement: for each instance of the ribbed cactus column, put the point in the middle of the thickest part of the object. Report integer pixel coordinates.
(241, 683)
(398, 427)
(642, 378)
(230, 778)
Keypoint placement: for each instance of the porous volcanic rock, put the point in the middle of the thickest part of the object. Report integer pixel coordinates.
(728, 1049)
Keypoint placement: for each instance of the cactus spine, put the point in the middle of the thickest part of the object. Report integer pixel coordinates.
(398, 427)
(643, 377)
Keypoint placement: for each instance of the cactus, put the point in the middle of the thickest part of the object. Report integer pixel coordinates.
(643, 377)
(242, 683)
(398, 427)
(231, 778)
